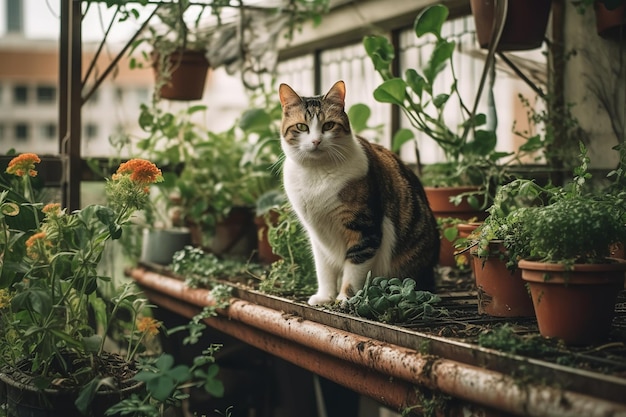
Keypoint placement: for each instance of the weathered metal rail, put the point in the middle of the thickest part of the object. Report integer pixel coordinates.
(389, 362)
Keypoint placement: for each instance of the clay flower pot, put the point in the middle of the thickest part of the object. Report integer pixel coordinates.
(439, 201)
(501, 292)
(188, 75)
(574, 305)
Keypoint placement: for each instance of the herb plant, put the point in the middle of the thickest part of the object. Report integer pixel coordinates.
(394, 301)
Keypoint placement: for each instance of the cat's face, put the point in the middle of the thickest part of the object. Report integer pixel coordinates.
(315, 130)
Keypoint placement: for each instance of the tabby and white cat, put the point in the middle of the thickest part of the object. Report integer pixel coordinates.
(362, 208)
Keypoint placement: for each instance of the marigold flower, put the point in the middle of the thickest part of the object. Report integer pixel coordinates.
(32, 244)
(148, 325)
(141, 171)
(52, 209)
(23, 165)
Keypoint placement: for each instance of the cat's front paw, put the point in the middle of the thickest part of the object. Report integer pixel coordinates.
(320, 299)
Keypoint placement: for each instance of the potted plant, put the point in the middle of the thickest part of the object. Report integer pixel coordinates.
(54, 317)
(564, 250)
(178, 55)
(221, 183)
(500, 288)
(460, 186)
(522, 23)
(171, 139)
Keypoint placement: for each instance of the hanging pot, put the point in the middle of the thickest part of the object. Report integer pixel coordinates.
(524, 27)
(610, 24)
(574, 305)
(189, 70)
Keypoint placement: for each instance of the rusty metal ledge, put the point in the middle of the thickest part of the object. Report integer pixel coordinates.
(345, 356)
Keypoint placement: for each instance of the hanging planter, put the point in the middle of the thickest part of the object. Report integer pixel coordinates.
(610, 21)
(182, 74)
(574, 305)
(524, 27)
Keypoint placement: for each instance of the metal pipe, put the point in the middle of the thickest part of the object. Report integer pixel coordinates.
(480, 386)
(396, 394)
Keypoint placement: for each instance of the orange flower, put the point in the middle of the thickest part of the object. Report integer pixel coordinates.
(52, 209)
(148, 325)
(32, 244)
(23, 165)
(141, 171)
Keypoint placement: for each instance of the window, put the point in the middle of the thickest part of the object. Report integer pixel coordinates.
(49, 131)
(93, 99)
(20, 94)
(91, 131)
(46, 94)
(22, 132)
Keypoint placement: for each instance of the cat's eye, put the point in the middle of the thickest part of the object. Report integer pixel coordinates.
(327, 126)
(302, 127)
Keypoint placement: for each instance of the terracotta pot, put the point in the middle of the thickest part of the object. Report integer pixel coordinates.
(265, 253)
(439, 201)
(189, 72)
(576, 306)
(524, 27)
(501, 293)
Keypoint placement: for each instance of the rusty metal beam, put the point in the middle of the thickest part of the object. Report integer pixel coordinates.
(487, 388)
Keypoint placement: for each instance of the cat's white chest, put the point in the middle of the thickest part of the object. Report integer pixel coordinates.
(312, 190)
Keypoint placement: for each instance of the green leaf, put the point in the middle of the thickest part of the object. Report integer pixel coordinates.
(359, 114)
(484, 143)
(431, 20)
(255, 120)
(441, 55)
(415, 81)
(401, 137)
(450, 233)
(391, 91)
(440, 100)
(161, 388)
(380, 51)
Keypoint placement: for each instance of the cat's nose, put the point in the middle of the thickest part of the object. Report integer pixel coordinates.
(316, 142)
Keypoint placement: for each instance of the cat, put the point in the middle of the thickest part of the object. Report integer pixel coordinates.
(362, 208)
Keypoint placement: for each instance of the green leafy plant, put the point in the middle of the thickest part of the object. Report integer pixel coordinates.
(575, 226)
(294, 273)
(53, 314)
(471, 158)
(203, 269)
(166, 381)
(392, 300)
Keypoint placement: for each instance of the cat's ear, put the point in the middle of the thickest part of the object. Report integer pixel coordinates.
(337, 93)
(288, 96)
